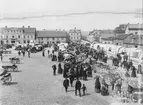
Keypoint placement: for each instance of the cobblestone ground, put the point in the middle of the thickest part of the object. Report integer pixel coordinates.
(34, 84)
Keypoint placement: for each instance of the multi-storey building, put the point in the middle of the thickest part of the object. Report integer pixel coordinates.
(75, 35)
(53, 36)
(14, 35)
(135, 29)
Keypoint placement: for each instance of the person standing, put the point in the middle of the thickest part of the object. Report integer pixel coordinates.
(66, 84)
(78, 87)
(43, 53)
(48, 52)
(19, 52)
(60, 68)
(29, 53)
(1, 55)
(54, 69)
(84, 89)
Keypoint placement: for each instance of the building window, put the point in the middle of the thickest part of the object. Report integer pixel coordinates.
(18, 36)
(6, 36)
(47, 38)
(24, 41)
(12, 41)
(28, 41)
(12, 36)
(24, 36)
(53, 38)
(136, 32)
(28, 36)
(41, 38)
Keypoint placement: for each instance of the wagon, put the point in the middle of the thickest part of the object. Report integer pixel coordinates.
(14, 60)
(13, 67)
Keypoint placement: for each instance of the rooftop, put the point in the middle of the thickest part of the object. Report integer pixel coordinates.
(51, 33)
(121, 36)
(75, 30)
(134, 26)
(137, 40)
(23, 29)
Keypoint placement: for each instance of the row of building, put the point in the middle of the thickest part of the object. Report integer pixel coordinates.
(127, 35)
(24, 35)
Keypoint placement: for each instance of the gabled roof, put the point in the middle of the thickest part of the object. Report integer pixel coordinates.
(135, 26)
(48, 33)
(29, 30)
(75, 31)
(121, 36)
(109, 38)
(23, 29)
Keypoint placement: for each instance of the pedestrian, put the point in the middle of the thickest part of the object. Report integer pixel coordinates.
(29, 53)
(78, 87)
(60, 70)
(71, 80)
(84, 89)
(54, 69)
(43, 53)
(48, 52)
(19, 52)
(53, 52)
(66, 84)
(1, 55)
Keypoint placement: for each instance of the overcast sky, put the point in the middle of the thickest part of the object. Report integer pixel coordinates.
(18, 8)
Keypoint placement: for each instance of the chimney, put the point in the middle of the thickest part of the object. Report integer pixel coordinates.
(5, 26)
(28, 26)
(23, 26)
(75, 28)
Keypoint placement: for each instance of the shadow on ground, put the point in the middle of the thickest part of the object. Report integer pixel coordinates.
(13, 83)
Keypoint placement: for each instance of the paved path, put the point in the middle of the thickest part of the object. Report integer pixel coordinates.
(34, 84)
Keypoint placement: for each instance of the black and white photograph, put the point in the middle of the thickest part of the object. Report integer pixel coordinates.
(71, 52)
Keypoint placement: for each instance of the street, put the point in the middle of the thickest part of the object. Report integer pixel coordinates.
(34, 84)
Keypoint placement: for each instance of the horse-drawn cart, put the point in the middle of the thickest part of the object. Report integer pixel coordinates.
(15, 60)
(13, 67)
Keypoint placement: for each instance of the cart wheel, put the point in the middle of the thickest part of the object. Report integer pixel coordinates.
(8, 80)
(15, 69)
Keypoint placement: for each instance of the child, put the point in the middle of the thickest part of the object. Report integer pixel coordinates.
(84, 89)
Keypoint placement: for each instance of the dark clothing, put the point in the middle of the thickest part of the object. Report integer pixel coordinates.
(84, 89)
(78, 87)
(54, 69)
(66, 84)
(19, 53)
(43, 53)
(60, 68)
(97, 85)
(133, 73)
(71, 80)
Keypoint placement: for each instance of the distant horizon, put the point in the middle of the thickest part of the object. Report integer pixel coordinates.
(40, 29)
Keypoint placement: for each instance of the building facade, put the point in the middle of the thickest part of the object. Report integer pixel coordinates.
(75, 35)
(15, 36)
(49, 37)
(133, 41)
(107, 40)
(119, 39)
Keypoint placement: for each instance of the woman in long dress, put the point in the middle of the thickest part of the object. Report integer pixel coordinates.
(97, 85)
(133, 72)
